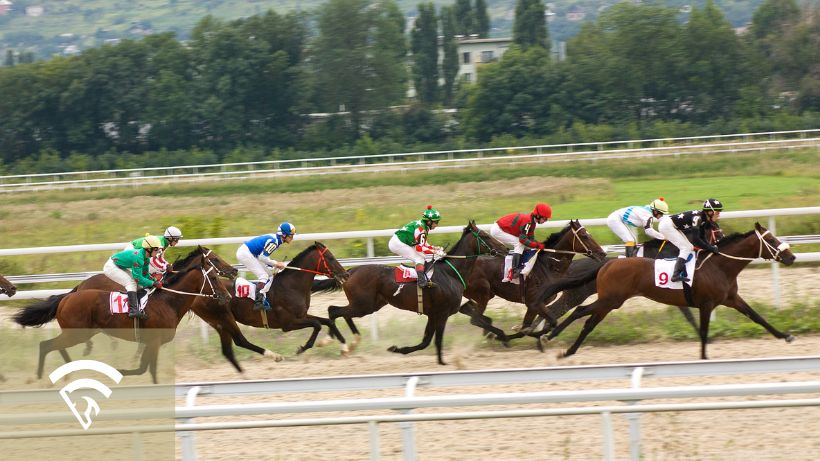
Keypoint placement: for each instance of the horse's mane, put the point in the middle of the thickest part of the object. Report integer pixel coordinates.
(729, 239)
(298, 258)
(185, 261)
(553, 239)
(187, 258)
(177, 276)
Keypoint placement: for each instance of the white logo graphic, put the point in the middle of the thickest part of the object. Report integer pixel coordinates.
(85, 383)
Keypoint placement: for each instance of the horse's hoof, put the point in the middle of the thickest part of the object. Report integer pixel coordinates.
(506, 344)
(516, 327)
(345, 351)
(392, 349)
(790, 338)
(324, 341)
(490, 335)
(299, 350)
(355, 341)
(276, 357)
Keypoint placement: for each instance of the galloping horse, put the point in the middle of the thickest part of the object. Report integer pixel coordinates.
(372, 286)
(7, 287)
(80, 313)
(289, 297)
(714, 283)
(216, 315)
(550, 264)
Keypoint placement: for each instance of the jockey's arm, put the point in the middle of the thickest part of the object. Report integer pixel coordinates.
(651, 232)
(529, 242)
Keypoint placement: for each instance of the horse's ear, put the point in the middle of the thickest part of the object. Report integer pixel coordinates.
(758, 226)
(318, 244)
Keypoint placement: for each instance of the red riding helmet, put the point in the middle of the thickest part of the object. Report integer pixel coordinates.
(543, 210)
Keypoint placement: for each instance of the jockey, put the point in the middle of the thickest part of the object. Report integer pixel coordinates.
(688, 228)
(129, 268)
(410, 241)
(518, 230)
(255, 256)
(624, 221)
(159, 265)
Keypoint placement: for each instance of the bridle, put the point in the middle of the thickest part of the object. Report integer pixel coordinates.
(774, 251)
(206, 280)
(322, 266)
(219, 271)
(575, 238)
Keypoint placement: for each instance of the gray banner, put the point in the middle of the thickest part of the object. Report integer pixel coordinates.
(89, 402)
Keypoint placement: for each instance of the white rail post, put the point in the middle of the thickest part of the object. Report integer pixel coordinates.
(136, 438)
(187, 442)
(606, 429)
(635, 420)
(373, 430)
(775, 270)
(408, 432)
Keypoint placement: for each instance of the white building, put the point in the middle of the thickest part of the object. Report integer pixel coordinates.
(474, 52)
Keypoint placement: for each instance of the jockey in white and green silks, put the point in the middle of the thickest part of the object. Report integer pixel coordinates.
(158, 263)
(410, 241)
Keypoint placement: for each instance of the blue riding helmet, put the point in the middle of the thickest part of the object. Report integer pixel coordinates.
(286, 229)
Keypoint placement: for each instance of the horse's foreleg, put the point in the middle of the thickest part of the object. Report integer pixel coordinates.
(428, 336)
(705, 317)
(298, 324)
(736, 302)
(687, 314)
(440, 325)
(333, 332)
(226, 343)
(581, 311)
(145, 360)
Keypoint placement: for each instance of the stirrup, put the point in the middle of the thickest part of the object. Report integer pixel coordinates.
(261, 303)
(136, 313)
(679, 277)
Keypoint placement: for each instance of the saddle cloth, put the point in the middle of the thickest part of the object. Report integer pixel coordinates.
(405, 274)
(529, 262)
(664, 269)
(118, 302)
(244, 288)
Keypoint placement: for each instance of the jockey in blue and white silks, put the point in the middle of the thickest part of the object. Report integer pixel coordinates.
(255, 255)
(625, 221)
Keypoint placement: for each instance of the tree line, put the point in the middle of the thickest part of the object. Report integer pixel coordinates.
(334, 82)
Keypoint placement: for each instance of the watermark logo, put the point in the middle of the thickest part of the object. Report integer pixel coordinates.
(85, 383)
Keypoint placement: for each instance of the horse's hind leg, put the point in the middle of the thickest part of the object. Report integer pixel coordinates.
(482, 321)
(428, 336)
(589, 325)
(581, 311)
(64, 340)
(148, 359)
(333, 332)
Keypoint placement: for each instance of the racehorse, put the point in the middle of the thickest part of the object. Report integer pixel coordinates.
(81, 313)
(550, 264)
(289, 297)
(216, 315)
(7, 287)
(372, 286)
(714, 283)
(579, 283)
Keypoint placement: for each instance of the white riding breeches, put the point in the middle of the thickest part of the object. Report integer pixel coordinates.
(121, 276)
(675, 237)
(402, 249)
(507, 239)
(251, 263)
(624, 232)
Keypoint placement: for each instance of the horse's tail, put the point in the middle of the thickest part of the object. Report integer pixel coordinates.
(41, 312)
(580, 273)
(325, 286)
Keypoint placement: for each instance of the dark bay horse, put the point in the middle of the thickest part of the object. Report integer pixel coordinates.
(372, 286)
(289, 296)
(219, 317)
(82, 314)
(7, 287)
(550, 264)
(714, 283)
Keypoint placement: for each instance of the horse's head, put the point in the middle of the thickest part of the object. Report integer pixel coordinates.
(484, 243)
(7, 287)
(211, 276)
(198, 276)
(772, 248)
(318, 260)
(223, 268)
(574, 237)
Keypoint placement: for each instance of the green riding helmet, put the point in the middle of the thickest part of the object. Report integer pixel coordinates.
(431, 214)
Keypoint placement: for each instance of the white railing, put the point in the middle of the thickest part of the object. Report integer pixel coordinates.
(631, 399)
(746, 142)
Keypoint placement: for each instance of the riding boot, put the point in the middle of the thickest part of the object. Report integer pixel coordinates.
(422, 280)
(679, 272)
(516, 270)
(631, 251)
(134, 306)
(261, 301)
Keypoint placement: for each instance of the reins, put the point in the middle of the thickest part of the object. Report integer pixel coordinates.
(201, 289)
(774, 252)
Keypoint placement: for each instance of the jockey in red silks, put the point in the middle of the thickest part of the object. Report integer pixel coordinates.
(518, 230)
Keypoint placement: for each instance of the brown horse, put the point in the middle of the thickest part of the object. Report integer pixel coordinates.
(7, 287)
(217, 316)
(373, 286)
(714, 283)
(289, 296)
(550, 264)
(81, 313)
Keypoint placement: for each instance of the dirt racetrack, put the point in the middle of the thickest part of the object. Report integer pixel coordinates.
(767, 434)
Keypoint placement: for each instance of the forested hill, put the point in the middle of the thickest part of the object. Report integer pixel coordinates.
(47, 27)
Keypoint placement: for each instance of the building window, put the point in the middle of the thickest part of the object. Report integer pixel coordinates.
(467, 77)
(466, 57)
(487, 56)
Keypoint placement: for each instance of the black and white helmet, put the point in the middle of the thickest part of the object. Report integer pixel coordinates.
(712, 204)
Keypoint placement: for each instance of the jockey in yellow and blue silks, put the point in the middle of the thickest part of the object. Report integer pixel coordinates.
(410, 241)
(129, 268)
(255, 256)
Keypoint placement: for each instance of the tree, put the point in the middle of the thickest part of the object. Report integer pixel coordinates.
(530, 28)
(450, 63)
(424, 40)
(9, 58)
(482, 19)
(465, 18)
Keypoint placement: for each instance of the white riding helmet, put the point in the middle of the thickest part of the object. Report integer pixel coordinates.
(173, 232)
